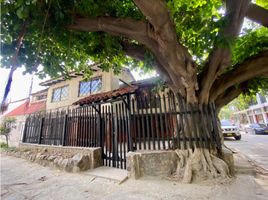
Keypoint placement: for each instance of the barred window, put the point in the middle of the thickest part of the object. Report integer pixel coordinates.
(89, 87)
(60, 94)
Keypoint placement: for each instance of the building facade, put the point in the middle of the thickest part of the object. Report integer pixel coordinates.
(36, 103)
(63, 92)
(256, 113)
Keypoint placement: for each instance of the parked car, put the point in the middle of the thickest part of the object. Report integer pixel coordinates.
(256, 128)
(230, 130)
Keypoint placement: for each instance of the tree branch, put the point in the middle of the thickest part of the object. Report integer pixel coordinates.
(127, 27)
(164, 31)
(138, 52)
(132, 29)
(180, 64)
(220, 58)
(257, 14)
(254, 66)
(228, 96)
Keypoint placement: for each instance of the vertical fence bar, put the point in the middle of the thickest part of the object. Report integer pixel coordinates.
(40, 131)
(125, 134)
(156, 122)
(188, 129)
(138, 122)
(178, 139)
(151, 120)
(215, 127)
(162, 135)
(106, 134)
(65, 125)
(194, 125)
(134, 126)
(204, 126)
(209, 128)
(172, 128)
(25, 130)
(182, 111)
(142, 122)
(121, 136)
(116, 139)
(166, 121)
(129, 123)
(147, 121)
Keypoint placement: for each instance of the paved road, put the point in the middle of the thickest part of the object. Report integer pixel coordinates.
(254, 147)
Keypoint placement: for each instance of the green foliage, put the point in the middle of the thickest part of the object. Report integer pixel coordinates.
(226, 113)
(3, 145)
(49, 43)
(6, 125)
(242, 102)
(262, 3)
(250, 44)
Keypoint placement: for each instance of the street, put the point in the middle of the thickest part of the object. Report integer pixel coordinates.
(255, 147)
(21, 179)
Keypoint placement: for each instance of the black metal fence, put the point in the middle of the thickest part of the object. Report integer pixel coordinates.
(128, 123)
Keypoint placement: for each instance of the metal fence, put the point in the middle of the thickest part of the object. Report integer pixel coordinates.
(128, 123)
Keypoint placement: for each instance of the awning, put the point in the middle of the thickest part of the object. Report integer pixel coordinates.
(107, 95)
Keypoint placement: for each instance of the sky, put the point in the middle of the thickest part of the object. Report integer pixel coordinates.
(21, 83)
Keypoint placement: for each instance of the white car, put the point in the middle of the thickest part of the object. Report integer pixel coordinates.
(230, 130)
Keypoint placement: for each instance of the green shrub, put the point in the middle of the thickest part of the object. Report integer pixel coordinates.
(3, 145)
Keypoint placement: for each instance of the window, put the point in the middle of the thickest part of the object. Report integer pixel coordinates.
(60, 94)
(89, 87)
(41, 97)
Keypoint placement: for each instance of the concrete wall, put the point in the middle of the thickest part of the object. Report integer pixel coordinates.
(16, 133)
(71, 159)
(151, 163)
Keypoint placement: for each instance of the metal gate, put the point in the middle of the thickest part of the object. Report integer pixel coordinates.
(116, 133)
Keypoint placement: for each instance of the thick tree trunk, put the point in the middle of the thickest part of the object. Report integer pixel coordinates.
(200, 160)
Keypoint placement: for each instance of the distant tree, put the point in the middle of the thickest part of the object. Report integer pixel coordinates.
(6, 126)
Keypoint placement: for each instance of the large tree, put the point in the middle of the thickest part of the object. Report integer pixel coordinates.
(197, 47)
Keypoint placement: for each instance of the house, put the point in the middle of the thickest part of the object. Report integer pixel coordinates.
(62, 92)
(36, 103)
(118, 115)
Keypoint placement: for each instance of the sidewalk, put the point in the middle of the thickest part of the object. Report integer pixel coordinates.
(21, 179)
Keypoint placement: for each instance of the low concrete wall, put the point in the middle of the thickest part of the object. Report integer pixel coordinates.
(71, 159)
(162, 163)
(151, 163)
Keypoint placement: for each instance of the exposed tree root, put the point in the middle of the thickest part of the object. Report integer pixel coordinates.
(199, 164)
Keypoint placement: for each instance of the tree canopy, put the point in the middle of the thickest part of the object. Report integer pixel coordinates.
(197, 47)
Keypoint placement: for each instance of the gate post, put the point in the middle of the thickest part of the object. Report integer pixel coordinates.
(25, 130)
(64, 129)
(40, 131)
(130, 145)
(100, 130)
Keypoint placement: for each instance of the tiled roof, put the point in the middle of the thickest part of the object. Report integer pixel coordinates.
(107, 95)
(27, 108)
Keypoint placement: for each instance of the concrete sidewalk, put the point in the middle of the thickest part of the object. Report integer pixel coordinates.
(21, 179)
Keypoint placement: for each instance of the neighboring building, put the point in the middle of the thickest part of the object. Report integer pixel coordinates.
(64, 92)
(256, 113)
(36, 103)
